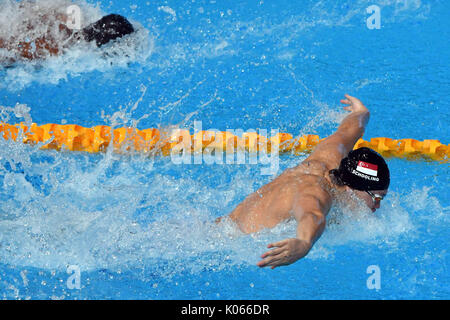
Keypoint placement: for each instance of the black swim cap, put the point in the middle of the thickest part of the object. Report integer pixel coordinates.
(363, 169)
(108, 28)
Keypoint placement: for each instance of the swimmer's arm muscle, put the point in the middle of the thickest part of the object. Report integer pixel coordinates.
(310, 213)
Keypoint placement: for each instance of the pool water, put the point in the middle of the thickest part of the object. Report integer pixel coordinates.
(134, 227)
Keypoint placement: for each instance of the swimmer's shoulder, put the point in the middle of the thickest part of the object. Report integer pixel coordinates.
(311, 167)
(312, 179)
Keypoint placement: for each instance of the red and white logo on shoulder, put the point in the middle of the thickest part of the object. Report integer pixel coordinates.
(367, 168)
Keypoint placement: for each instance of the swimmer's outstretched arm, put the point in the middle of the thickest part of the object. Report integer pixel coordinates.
(310, 211)
(336, 147)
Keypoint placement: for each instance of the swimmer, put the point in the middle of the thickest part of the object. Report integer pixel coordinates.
(333, 172)
(59, 37)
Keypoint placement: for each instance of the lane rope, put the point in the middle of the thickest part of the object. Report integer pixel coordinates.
(153, 141)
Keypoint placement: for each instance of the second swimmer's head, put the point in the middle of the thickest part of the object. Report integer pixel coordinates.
(108, 28)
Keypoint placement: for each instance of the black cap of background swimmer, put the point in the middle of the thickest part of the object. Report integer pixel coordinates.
(363, 169)
(108, 28)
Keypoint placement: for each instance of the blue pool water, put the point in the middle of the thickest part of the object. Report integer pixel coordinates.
(142, 228)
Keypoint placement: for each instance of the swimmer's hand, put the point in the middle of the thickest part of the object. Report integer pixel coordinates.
(286, 252)
(354, 104)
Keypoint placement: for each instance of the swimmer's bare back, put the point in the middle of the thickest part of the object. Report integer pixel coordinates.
(302, 193)
(39, 47)
(273, 202)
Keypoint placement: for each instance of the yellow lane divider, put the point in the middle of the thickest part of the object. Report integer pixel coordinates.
(155, 142)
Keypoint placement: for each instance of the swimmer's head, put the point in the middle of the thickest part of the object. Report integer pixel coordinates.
(366, 173)
(106, 29)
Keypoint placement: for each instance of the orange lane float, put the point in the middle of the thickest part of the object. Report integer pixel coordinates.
(153, 141)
